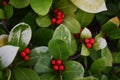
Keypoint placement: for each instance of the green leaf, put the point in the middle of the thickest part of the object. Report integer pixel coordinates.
(43, 21)
(20, 35)
(35, 54)
(49, 76)
(59, 49)
(116, 57)
(72, 70)
(41, 7)
(43, 65)
(8, 9)
(7, 54)
(1, 76)
(25, 74)
(108, 56)
(65, 6)
(87, 78)
(19, 3)
(42, 36)
(98, 65)
(85, 33)
(2, 16)
(100, 43)
(84, 51)
(84, 18)
(111, 25)
(3, 39)
(72, 24)
(62, 33)
(2, 31)
(95, 54)
(114, 34)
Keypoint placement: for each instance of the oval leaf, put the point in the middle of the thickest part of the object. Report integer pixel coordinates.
(59, 49)
(8, 9)
(7, 54)
(100, 43)
(43, 65)
(85, 33)
(19, 3)
(98, 65)
(72, 70)
(84, 18)
(72, 24)
(114, 34)
(43, 21)
(62, 33)
(108, 56)
(25, 74)
(91, 6)
(84, 51)
(20, 35)
(41, 7)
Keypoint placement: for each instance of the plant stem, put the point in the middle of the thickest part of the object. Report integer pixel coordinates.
(9, 74)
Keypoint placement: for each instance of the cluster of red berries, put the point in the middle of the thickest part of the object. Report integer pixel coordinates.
(89, 42)
(58, 17)
(57, 65)
(24, 54)
(4, 2)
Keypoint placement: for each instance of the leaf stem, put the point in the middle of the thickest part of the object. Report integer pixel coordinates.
(9, 74)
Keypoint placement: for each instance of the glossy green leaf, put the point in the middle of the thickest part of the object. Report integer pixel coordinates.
(84, 50)
(43, 21)
(35, 54)
(25, 74)
(85, 33)
(65, 6)
(111, 25)
(114, 34)
(43, 65)
(2, 15)
(84, 18)
(98, 65)
(17, 36)
(8, 9)
(42, 36)
(62, 33)
(72, 70)
(7, 54)
(72, 24)
(19, 3)
(108, 56)
(41, 7)
(87, 78)
(59, 49)
(3, 39)
(49, 76)
(100, 43)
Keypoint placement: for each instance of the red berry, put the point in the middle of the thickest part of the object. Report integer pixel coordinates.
(23, 54)
(26, 58)
(59, 13)
(77, 35)
(61, 67)
(53, 20)
(53, 62)
(55, 10)
(55, 67)
(86, 40)
(27, 50)
(4, 3)
(59, 17)
(62, 15)
(92, 40)
(58, 22)
(88, 45)
(58, 62)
